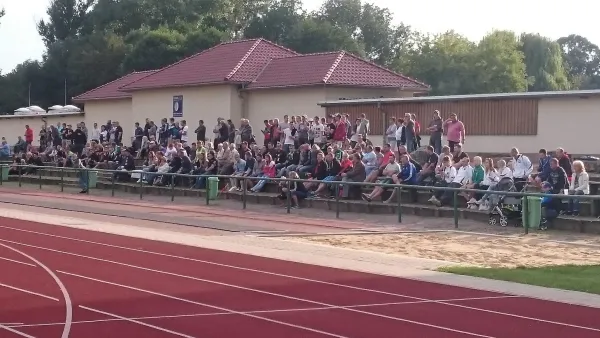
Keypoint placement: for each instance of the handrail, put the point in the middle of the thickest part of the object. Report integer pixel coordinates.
(288, 181)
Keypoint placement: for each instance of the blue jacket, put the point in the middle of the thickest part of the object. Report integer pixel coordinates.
(544, 167)
(408, 173)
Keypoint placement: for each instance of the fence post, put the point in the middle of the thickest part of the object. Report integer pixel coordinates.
(207, 188)
(289, 197)
(112, 185)
(244, 192)
(62, 179)
(40, 177)
(141, 188)
(2, 174)
(87, 180)
(20, 173)
(172, 188)
(399, 206)
(455, 207)
(337, 200)
(524, 213)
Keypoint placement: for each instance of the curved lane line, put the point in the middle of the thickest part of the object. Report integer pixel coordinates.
(63, 289)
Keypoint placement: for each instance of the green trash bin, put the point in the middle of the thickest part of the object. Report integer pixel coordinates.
(534, 211)
(92, 178)
(213, 188)
(4, 172)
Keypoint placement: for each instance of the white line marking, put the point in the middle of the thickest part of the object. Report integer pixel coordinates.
(283, 296)
(299, 278)
(29, 292)
(203, 304)
(61, 286)
(251, 312)
(12, 324)
(136, 322)
(15, 331)
(18, 262)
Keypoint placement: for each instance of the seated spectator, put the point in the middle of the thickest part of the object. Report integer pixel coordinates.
(356, 174)
(551, 206)
(522, 168)
(490, 179)
(268, 172)
(579, 185)
(464, 174)
(4, 150)
(557, 177)
(297, 191)
(444, 176)
(458, 155)
(391, 169)
(428, 169)
(210, 168)
(478, 176)
(333, 169)
(408, 176)
(319, 173)
(369, 160)
(445, 152)
(386, 156)
(239, 168)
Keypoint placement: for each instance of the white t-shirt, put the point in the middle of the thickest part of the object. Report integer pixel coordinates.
(289, 139)
(170, 152)
(184, 134)
(318, 132)
(399, 133)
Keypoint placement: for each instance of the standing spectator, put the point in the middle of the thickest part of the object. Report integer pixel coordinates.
(118, 132)
(390, 133)
(79, 140)
(138, 133)
(95, 133)
(455, 131)
(200, 131)
(28, 135)
(580, 185)
(435, 129)
(410, 133)
(564, 161)
(246, 134)
(185, 138)
(364, 127)
(417, 131)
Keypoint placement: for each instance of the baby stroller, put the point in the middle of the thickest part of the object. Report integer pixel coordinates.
(505, 209)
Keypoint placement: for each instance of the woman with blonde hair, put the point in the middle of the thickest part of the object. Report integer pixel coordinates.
(579, 185)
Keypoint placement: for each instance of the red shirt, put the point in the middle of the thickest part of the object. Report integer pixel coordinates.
(29, 135)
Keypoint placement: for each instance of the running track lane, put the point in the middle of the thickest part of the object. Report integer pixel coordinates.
(212, 281)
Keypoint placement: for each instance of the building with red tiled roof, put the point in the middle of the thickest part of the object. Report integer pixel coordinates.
(254, 79)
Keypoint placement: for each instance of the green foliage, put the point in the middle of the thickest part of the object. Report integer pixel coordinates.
(91, 42)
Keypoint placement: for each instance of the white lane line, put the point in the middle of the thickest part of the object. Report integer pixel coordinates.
(29, 292)
(304, 278)
(203, 304)
(15, 331)
(61, 286)
(271, 320)
(137, 322)
(18, 262)
(251, 312)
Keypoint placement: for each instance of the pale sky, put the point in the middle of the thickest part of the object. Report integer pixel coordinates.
(19, 40)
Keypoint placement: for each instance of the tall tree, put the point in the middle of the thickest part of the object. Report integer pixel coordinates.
(278, 23)
(316, 35)
(66, 19)
(154, 49)
(583, 60)
(499, 64)
(544, 63)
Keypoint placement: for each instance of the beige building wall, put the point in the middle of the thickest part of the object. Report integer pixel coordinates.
(13, 126)
(199, 103)
(100, 111)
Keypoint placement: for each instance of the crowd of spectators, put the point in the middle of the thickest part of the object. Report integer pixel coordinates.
(322, 150)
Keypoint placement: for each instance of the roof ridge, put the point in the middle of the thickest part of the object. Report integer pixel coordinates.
(389, 70)
(180, 61)
(106, 85)
(333, 66)
(244, 58)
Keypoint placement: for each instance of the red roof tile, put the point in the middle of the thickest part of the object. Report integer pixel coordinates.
(111, 90)
(230, 62)
(335, 68)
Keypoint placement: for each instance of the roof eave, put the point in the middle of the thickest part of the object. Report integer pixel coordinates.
(84, 99)
(186, 85)
(416, 90)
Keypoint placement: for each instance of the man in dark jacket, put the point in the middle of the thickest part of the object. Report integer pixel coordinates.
(356, 174)
(557, 177)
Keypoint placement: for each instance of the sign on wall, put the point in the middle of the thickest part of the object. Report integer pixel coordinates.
(178, 106)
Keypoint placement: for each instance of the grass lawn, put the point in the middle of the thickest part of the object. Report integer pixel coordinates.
(585, 278)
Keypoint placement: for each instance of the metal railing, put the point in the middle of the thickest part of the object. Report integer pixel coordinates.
(286, 182)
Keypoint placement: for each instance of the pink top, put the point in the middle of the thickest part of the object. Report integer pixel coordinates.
(269, 169)
(455, 131)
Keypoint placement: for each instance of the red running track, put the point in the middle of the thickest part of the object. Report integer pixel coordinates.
(119, 286)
